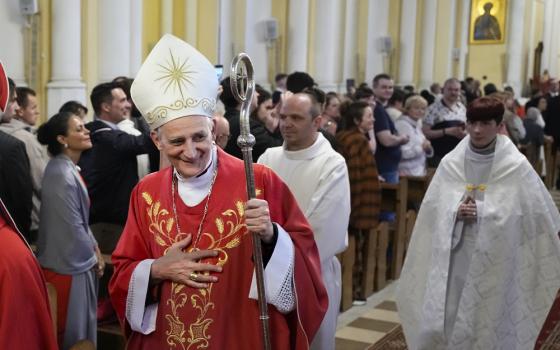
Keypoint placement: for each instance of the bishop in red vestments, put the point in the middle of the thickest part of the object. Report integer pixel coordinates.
(25, 318)
(183, 266)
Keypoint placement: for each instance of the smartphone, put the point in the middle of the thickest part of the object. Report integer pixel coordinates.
(350, 85)
(219, 71)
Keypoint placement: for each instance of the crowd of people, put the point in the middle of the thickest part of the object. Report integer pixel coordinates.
(162, 167)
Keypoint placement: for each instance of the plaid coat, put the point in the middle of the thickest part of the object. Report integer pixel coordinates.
(365, 192)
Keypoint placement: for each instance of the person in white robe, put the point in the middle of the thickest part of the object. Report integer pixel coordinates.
(317, 176)
(483, 265)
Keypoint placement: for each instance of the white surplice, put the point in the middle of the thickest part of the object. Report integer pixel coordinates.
(514, 271)
(318, 178)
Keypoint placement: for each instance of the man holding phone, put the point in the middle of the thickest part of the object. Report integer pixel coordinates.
(444, 124)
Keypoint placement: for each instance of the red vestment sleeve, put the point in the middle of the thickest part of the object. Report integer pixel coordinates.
(25, 319)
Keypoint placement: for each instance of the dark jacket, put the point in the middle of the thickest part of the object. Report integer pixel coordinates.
(263, 138)
(15, 181)
(110, 170)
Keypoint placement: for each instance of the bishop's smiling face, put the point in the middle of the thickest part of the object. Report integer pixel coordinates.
(187, 143)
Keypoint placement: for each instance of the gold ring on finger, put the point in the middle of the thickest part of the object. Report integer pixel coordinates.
(193, 276)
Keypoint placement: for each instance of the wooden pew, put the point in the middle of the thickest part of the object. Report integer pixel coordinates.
(551, 162)
(381, 256)
(409, 226)
(394, 198)
(347, 259)
(370, 260)
(417, 187)
(53, 303)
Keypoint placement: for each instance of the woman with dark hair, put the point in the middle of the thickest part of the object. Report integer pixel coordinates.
(331, 113)
(67, 250)
(264, 112)
(264, 124)
(365, 193)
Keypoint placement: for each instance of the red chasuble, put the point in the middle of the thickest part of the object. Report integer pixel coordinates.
(221, 316)
(25, 318)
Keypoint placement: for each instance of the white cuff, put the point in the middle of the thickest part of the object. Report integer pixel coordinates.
(278, 275)
(141, 318)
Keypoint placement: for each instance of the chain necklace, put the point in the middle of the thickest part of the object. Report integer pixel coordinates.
(178, 226)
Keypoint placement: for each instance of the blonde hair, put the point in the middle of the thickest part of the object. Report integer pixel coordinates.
(502, 95)
(415, 100)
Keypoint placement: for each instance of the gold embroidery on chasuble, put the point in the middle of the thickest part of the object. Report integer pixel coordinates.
(230, 228)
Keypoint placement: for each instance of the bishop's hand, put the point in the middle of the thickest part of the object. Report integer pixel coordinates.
(185, 267)
(257, 219)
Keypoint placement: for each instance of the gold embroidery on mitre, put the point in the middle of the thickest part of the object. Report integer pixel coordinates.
(228, 225)
(161, 112)
(177, 74)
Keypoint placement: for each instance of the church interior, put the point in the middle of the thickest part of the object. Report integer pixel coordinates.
(62, 49)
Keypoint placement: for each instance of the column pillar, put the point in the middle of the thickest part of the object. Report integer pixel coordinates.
(66, 60)
(12, 53)
(350, 64)
(407, 42)
(166, 25)
(298, 22)
(452, 26)
(114, 38)
(136, 36)
(428, 44)
(531, 45)
(464, 44)
(225, 46)
(257, 11)
(378, 15)
(547, 35)
(554, 45)
(515, 44)
(327, 44)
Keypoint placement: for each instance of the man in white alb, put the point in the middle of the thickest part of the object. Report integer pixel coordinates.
(318, 178)
(483, 265)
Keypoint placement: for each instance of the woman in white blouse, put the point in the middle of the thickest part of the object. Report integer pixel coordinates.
(414, 153)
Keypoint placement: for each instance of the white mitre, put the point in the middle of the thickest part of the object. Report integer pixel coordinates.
(175, 81)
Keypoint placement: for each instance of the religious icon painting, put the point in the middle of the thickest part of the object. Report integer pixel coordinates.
(488, 21)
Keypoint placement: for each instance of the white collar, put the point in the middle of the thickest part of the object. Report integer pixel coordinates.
(307, 153)
(194, 189)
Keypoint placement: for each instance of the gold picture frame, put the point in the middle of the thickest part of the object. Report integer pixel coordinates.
(488, 21)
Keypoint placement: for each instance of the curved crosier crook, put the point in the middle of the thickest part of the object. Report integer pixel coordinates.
(242, 71)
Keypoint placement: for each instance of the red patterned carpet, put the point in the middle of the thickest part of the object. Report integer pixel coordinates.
(549, 338)
(394, 340)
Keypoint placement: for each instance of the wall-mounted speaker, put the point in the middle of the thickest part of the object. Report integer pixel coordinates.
(384, 44)
(271, 29)
(456, 53)
(28, 7)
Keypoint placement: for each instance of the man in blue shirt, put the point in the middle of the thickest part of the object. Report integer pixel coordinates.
(388, 153)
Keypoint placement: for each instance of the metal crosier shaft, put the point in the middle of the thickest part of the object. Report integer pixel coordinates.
(246, 141)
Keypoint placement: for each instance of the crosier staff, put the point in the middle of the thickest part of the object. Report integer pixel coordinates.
(246, 141)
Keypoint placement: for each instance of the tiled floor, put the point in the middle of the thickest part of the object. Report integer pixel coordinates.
(362, 326)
